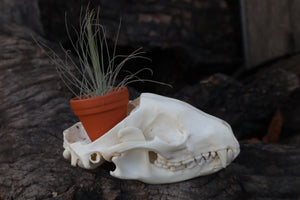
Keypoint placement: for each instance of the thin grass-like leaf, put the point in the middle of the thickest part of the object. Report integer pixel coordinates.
(92, 49)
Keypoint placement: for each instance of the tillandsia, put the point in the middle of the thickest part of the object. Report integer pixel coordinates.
(97, 71)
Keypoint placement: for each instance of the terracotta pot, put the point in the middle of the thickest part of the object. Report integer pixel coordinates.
(99, 114)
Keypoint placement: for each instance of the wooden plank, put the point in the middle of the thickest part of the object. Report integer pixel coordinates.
(268, 30)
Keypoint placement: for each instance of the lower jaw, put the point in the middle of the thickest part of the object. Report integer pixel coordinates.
(164, 176)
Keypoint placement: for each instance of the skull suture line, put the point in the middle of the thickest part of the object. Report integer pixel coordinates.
(162, 140)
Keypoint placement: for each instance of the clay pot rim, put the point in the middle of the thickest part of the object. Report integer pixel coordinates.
(110, 98)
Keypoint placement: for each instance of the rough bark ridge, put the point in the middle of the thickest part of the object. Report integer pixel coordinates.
(34, 110)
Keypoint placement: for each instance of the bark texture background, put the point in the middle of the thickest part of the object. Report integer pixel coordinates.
(34, 110)
(180, 36)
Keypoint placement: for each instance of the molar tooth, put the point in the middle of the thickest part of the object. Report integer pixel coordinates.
(172, 168)
(165, 166)
(177, 164)
(157, 163)
(164, 162)
(223, 157)
(180, 167)
(161, 159)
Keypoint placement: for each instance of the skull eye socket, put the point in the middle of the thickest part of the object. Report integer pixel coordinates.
(152, 156)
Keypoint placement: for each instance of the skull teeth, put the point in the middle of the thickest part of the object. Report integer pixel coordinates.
(189, 163)
(200, 160)
(206, 155)
(213, 154)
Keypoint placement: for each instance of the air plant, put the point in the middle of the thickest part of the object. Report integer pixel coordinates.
(97, 71)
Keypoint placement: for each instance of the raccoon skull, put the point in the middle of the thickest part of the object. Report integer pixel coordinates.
(162, 140)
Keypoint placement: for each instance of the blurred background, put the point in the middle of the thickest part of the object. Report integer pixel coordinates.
(188, 40)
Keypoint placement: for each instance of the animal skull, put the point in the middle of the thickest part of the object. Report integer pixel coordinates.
(162, 140)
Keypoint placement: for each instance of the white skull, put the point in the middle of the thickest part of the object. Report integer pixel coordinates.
(162, 140)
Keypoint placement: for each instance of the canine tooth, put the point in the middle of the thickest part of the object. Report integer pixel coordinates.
(236, 152)
(191, 165)
(229, 154)
(206, 155)
(213, 154)
(223, 157)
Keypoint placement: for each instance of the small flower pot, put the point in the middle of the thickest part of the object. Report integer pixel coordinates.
(99, 114)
